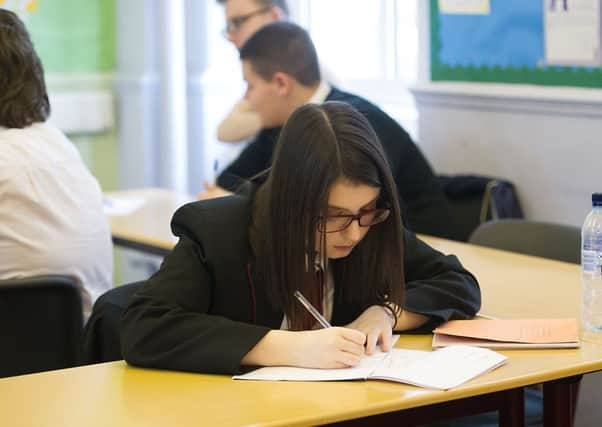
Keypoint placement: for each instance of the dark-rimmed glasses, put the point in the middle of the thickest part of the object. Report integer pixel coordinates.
(236, 22)
(365, 218)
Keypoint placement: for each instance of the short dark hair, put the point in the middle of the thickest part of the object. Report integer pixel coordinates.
(282, 47)
(23, 96)
(280, 3)
(318, 145)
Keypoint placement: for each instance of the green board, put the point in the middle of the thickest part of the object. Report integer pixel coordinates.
(505, 46)
(78, 37)
(74, 36)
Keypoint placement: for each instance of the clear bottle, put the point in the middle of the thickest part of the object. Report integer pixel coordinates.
(591, 272)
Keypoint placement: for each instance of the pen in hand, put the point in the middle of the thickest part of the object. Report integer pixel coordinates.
(315, 313)
(215, 169)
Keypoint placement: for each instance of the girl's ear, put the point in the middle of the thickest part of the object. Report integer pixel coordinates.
(283, 83)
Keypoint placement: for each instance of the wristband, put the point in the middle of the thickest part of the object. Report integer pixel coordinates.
(391, 312)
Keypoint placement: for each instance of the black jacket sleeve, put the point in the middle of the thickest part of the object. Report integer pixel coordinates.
(254, 159)
(170, 323)
(437, 285)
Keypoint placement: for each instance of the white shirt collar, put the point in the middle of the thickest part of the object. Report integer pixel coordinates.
(320, 94)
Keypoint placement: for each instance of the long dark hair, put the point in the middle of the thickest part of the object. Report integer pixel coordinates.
(318, 145)
(23, 96)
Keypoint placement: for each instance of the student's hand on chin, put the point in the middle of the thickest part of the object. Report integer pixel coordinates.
(376, 324)
(329, 348)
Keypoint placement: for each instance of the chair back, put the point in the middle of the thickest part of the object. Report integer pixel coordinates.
(543, 239)
(102, 334)
(475, 199)
(40, 324)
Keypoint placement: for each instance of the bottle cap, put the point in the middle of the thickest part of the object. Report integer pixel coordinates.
(596, 199)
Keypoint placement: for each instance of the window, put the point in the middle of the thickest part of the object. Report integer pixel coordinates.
(223, 86)
(371, 47)
(350, 37)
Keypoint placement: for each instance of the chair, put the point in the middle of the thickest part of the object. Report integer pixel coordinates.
(547, 240)
(475, 199)
(40, 324)
(102, 333)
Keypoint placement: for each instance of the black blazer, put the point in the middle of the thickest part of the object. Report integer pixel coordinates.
(425, 208)
(202, 311)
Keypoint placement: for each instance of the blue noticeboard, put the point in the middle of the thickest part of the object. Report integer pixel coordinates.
(506, 46)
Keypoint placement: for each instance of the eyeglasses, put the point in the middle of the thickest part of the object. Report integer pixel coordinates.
(236, 22)
(366, 218)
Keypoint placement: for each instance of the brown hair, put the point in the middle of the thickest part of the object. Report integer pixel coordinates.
(282, 47)
(318, 145)
(23, 96)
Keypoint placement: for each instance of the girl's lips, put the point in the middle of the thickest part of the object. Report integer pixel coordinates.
(344, 248)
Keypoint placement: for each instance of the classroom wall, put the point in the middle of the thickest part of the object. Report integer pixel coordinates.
(76, 43)
(547, 144)
(546, 140)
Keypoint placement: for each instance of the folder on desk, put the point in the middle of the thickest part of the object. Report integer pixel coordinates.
(508, 333)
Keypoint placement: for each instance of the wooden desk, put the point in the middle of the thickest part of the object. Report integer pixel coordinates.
(512, 285)
(118, 395)
(148, 227)
(518, 286)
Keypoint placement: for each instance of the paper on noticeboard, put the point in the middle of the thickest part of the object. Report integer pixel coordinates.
(465, 7)
(573, 33)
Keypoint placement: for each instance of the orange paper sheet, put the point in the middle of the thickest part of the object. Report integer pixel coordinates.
(531, 331)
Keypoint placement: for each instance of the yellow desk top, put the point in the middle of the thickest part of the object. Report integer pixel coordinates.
(114, 394)
(516, 286)
(150, 224)
(513, 286)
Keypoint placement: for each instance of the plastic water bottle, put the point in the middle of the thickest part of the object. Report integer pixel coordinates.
(591, 272)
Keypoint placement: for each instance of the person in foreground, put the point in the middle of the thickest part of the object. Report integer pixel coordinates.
(325, 221)
(51, 215)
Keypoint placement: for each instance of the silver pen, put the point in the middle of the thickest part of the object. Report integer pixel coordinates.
(312, 310)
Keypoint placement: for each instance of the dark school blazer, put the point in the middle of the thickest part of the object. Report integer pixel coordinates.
(425, 208)
(202, 312)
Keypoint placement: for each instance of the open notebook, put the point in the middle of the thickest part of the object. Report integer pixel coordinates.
(441, 369)
(507, 333)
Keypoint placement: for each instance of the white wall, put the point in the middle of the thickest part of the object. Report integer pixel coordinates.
(547, 141)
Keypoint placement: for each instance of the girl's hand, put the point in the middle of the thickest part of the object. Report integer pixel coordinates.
(321, 348)
(327, 348)
(376, 324)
